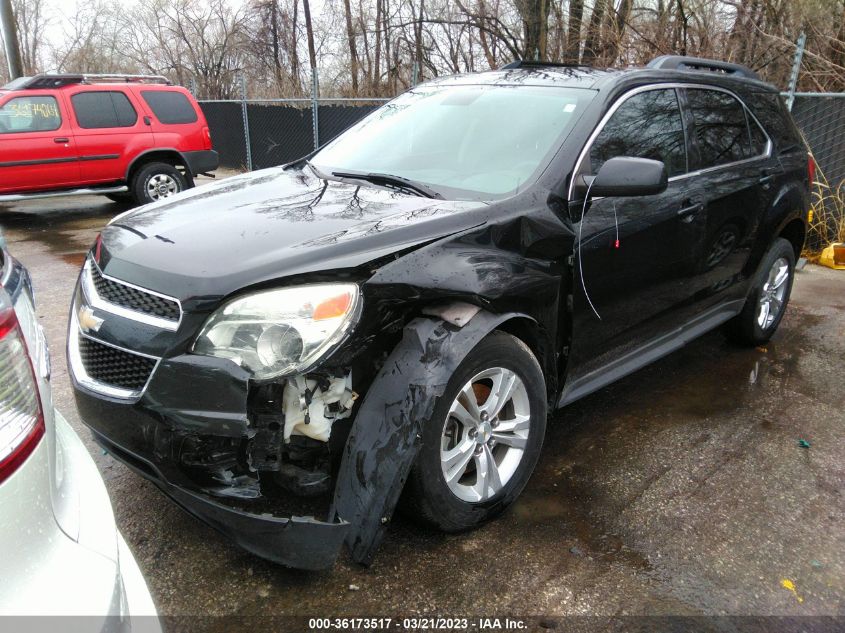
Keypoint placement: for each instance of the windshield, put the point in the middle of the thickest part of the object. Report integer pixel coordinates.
(464, 142)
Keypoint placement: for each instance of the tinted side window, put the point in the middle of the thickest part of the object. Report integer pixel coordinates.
(170, 107)
(721, 127)
(772, 112)
(647, 125)
(30, 114)
(103, 110)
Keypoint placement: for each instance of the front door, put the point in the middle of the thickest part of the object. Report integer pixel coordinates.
(634, 256)
(109, 132)
(37, 150)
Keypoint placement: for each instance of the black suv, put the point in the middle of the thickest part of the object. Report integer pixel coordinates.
(291, 353)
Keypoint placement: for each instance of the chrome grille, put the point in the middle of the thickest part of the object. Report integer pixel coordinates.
(134, 299)
(115, 367)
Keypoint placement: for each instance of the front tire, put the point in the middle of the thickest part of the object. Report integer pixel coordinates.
(768, 298)
(483, 440)
(156, 181)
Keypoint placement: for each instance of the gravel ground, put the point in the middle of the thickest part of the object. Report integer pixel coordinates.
(680, 490)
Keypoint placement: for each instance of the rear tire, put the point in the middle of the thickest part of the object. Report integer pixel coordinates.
(464, 438)
(156, 181)
(768, 298)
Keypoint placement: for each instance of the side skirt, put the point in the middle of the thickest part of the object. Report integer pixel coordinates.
(649, 352)
(17, 197)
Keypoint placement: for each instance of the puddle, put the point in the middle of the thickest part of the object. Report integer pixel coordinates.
(67, 227)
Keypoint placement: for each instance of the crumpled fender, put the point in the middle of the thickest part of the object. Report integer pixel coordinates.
(386, 434)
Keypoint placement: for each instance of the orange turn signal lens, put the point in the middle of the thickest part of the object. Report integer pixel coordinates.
(332, 308)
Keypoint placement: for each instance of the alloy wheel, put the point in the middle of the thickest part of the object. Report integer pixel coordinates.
(485, 434)
(162, 186)
(772, 294)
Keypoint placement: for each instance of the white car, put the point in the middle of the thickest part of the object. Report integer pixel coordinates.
(62, 554)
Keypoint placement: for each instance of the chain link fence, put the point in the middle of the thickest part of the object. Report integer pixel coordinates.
(279, 130)
(821, 119)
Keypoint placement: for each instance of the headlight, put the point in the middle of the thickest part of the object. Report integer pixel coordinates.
(280, 332)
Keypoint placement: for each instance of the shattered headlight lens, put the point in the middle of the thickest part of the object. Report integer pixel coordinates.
(280, 332)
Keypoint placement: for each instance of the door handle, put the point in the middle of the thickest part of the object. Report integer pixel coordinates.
(687, 213)
(61, 139)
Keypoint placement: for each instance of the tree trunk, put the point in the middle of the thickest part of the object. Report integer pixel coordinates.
(592, 47)
(294, 55)
(418, 31)
(376, 79)
(572, 55)
(353, 52)
(309, 31)
(535, 22)
(275, 42)
(619, 23)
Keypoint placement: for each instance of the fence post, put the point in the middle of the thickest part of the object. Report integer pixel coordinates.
(315, 106)
(796, 68)
(416, 77)
(245, 117)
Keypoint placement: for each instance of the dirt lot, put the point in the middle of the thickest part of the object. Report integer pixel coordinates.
(680, 490)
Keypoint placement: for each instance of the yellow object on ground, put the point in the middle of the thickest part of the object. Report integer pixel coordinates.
(833, 257)
(786, 583)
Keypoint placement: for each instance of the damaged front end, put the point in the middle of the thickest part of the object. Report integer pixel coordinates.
(234, 387)
(288, 467)
(251, 457)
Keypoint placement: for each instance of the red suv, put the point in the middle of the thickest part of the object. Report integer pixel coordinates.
(130, 137)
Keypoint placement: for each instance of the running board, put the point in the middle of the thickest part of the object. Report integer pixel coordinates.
(650, 352)
(18, 197)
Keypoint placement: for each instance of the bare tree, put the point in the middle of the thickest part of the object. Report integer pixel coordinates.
(31, 21)
(203, 40)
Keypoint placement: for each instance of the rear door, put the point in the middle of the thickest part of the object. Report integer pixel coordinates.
(37, 150)
(636, 254)
(733, 156)
(110, 132)
(175, 119)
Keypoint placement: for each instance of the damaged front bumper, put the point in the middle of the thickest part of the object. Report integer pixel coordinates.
(163, 437)
(145, 444)
(299, 542)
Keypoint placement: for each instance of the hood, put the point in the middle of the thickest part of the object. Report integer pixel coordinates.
(270, 224)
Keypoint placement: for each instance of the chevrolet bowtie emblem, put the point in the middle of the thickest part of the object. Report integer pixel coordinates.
(87, 321)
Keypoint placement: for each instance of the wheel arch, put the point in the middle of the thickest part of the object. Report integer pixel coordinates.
(164, 155)
(386, 432)
(786, 218)
(530, 332)
(795, 232)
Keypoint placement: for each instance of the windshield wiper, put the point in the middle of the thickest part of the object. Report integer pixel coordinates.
(394, 182)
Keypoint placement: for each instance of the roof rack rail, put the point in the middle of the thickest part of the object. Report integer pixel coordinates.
(57, 80)
(680, 62)
(528, 63)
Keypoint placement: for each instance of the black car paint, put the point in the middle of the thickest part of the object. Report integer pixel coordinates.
(515, 258)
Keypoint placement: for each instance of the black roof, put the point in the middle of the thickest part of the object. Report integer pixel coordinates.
(664, 68)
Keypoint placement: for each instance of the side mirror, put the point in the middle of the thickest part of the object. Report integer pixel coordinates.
(629, 176)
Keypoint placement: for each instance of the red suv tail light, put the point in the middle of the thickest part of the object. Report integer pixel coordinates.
(206, 137)
(811, 169)
(21, 417)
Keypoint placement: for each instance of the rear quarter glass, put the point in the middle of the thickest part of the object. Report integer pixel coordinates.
(170, 107)
(772, 113)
